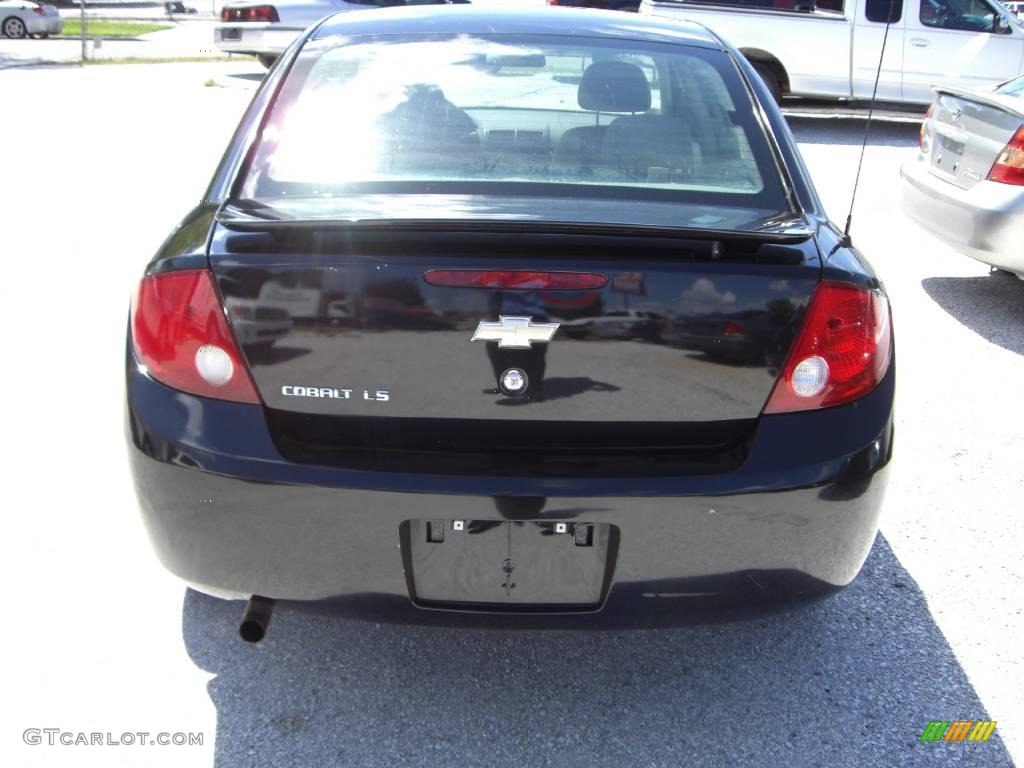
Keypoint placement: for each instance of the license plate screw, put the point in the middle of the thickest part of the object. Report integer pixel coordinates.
(561, 528)
(459, 525)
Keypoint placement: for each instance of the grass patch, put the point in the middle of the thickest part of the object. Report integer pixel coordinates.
(169, 60)
(73, 28)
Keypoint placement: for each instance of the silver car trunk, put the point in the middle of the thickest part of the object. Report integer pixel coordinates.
(968, 132)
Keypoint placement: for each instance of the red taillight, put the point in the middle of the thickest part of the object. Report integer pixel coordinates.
(522, 280)
(181, 336)
(262, 13)
(39, 10)
(252, 13)
(842, 352)
(733, 329)
(921, 133)
(1009, 166)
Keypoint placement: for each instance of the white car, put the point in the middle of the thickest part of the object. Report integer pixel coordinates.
(265, 29)
(829, 54)
(19, 18)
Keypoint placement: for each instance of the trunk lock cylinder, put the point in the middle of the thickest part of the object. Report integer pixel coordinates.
(514, 381)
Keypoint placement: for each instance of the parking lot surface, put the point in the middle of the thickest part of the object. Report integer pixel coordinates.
(100, 639)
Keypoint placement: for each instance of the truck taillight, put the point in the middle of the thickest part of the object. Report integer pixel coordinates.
(842, 351)
(1009, 166)
(181, 335)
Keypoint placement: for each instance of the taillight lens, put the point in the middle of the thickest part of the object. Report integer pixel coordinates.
(842, 352)
(521, 280)
(922, 137)
(1009, 166)
(181, 336)
(251, 13)
(39, 10)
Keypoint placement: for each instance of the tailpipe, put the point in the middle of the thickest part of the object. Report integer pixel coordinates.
(256, 618)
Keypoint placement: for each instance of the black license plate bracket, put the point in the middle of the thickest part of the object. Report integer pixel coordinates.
(531, 565)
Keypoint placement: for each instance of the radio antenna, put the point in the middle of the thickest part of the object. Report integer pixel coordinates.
(846, 240)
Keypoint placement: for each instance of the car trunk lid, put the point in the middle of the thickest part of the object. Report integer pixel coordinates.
(968, 132)
(679, 347)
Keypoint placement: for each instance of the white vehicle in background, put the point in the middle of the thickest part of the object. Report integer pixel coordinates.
(20, 18)
(264, 29)
(833, 54)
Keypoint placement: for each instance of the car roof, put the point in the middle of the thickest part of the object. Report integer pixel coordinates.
(466, 19)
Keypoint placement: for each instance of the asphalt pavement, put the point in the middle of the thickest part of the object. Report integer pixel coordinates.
(99, 639)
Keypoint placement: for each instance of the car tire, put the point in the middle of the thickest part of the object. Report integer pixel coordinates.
(14, 28)
(266, 60)
(771, 80)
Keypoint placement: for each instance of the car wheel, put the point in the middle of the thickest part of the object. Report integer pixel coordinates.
(770, 79)
(15, 28)
(267, 61)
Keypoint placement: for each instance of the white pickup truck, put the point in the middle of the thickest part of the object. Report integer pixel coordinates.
(834, 54)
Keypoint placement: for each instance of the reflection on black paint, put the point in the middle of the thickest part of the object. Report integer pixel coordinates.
(398, 303)
(520, 507)
(744, 337)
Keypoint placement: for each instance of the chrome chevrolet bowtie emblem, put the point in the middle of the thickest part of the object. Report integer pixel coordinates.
(515, 332)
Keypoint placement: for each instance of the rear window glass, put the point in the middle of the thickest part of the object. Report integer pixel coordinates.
(1013, 88)
(549, 115)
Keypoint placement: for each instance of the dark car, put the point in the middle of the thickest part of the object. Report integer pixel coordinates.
(630, 6)
(465, 191)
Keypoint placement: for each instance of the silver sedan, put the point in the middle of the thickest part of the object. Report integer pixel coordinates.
(266, 27)
(20, 18)
(966, 185)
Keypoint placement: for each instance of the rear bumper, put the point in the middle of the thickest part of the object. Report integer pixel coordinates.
(270, 39)
(226, 513)
(985, 222)
(44, 25)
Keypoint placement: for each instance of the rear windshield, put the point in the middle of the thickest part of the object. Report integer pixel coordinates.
(1014, 87)
(545, 115)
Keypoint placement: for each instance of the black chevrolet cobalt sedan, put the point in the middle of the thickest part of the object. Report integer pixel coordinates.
(531, 315)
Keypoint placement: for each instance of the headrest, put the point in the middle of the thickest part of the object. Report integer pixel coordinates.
(614, 86)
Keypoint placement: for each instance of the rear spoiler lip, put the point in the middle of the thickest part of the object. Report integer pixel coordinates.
(979, 97)
(798, 232)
